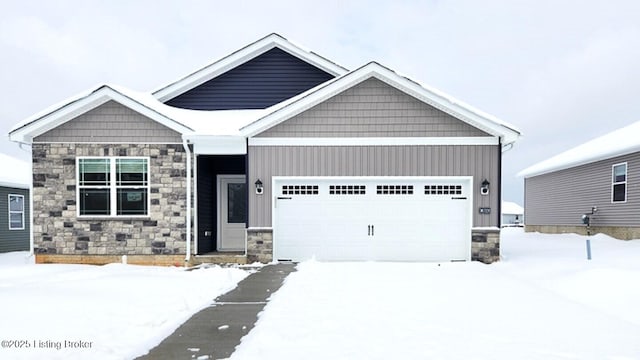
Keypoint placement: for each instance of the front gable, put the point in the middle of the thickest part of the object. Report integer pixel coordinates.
(373, 108)
(263, 81)
(111, 122)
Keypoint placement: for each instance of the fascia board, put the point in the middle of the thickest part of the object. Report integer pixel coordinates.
(429, 96)
(78, 107)
(240, 57)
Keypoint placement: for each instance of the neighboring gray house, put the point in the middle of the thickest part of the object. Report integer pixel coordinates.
(512, 214)
(270, 153)
(601, 174)
(15, 181)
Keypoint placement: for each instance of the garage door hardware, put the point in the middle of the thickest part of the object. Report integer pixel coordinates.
(284, 198)
(370, 230)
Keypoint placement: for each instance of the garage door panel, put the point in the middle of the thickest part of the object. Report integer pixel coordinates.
(372, 219)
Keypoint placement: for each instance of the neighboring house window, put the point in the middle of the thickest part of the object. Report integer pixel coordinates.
(113, 186)
(16, 212)
(619, 183)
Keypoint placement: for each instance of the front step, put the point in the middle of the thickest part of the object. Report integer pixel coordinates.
(219, 258)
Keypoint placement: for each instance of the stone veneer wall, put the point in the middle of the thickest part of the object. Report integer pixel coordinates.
(618, 232)
(485, 245)
(259, 245)
(59, 233)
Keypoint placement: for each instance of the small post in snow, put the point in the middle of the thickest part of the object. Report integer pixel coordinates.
(586, 219)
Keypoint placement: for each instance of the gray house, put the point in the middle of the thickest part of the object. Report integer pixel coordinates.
(597, 175)
(15, 182)
(512, 214)
(270, 153)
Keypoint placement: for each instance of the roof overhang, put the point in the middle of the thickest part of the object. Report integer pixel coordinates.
(507, 133)
(217, 145)
(242, 56)
(59, 114)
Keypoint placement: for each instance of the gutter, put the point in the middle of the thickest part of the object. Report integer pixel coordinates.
(31, 244)
(187, 257)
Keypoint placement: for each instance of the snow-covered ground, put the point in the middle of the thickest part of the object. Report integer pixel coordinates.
(98, 312)
(543, 301)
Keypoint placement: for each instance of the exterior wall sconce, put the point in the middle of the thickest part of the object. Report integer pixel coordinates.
(259, 188)
(484, 187)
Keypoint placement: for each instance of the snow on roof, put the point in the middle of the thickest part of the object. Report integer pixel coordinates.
(511, 208)
(17, 173)
(619, 142)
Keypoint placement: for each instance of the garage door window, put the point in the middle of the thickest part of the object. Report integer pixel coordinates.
(299, 189)
(347, 190)
(443, 189)
(394, 189)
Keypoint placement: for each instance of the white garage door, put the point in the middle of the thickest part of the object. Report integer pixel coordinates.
(372, 218)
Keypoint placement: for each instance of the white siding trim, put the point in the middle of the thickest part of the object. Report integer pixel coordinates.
(373, 141)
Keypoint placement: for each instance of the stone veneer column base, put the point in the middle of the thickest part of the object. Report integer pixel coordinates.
(260, 245)
(485, 245)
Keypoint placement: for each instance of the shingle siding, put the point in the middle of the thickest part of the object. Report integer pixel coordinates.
(561, 197)
(479, 161)
(111, 123)
(372, 109)
(13, 240)
(257, 84)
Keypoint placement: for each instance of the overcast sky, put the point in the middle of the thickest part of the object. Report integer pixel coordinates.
(563, 72)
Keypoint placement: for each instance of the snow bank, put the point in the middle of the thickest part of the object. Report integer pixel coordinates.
(114, 311)
(544, 301)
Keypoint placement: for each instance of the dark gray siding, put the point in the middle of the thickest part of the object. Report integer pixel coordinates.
(257, 84)
(561, 197)
(13, 240)
(111, 123)
(479, 161)
(372, 109)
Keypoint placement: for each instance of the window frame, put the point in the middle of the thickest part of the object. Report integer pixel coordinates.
(614, 182)
(113, 187)
(9, 196)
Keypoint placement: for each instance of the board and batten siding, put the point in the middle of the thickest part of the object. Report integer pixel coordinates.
(372, 109)
(561, 197)
(479, 161)
(266, 80)
(110, 122)
(13, 240)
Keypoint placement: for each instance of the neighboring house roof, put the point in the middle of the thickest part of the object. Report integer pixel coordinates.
(511, 208)
(247, 123)
(16, 174)
(619, 142)
(242, 56)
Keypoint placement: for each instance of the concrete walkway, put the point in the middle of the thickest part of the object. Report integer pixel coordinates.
(217, 330)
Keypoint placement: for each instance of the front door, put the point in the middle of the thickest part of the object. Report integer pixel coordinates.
(232, 212)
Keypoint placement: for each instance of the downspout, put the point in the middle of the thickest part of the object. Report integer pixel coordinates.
(31, 244)
(185, 144)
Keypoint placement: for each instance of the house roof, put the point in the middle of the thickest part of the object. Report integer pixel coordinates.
(17, 172)
(242, 56)
(446, 103)
(193, 123)
(619, 142)
(511, 208)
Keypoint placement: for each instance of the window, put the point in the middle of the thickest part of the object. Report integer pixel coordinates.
(347, 190)
(443, 189)
(619, 183)
(113, 186)
(16, 212)
(299, 189)
(394, 189)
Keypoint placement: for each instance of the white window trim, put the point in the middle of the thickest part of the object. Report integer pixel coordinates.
(113, 193)
(625, 182)
(15, 212)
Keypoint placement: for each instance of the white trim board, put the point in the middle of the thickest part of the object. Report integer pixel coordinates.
(372, 141)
